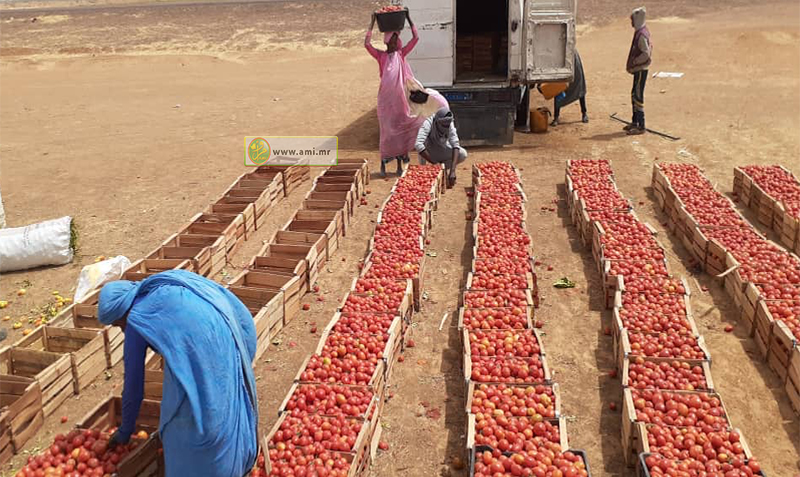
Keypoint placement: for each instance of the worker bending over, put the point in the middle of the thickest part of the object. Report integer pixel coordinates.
(639, 59)
(206, 336)
(437, 142)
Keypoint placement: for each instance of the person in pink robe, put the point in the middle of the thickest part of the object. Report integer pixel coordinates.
(398, 125)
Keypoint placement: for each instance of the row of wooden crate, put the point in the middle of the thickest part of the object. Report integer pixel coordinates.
(63, 357)
(271, 287)
(388, 325)
(776, 340)
(287, 266)
(641, 310)
(504, 360)
(773, 213)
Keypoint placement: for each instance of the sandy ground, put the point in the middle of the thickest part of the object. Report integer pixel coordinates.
(130, 119)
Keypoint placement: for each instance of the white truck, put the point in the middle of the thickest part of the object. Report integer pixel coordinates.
(480, 54)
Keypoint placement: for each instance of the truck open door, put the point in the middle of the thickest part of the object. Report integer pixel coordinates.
(549, 40)
(432, 59)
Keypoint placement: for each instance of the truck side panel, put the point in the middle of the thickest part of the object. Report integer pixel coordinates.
(432, 59)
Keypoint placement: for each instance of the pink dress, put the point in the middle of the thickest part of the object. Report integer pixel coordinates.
(397, 125)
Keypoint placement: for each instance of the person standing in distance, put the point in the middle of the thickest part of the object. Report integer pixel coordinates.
(639, 59)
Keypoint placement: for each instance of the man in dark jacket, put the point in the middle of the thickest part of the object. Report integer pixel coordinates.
(639, 59)
(576, 91)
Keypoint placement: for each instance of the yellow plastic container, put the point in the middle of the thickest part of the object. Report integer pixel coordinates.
(551, 90)
(539, 120)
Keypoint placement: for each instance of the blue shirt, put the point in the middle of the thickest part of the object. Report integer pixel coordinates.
(133, 390)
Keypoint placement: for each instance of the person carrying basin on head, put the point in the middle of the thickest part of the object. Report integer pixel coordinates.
(206, 337)
(438, 143)
(398, 124)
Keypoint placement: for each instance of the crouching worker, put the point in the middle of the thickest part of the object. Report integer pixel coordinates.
(437, 143)
(206, 336)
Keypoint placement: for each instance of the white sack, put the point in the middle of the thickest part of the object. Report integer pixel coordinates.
(100, 273)
(45, 243)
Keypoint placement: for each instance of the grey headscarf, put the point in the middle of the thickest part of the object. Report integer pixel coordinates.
(442, 121)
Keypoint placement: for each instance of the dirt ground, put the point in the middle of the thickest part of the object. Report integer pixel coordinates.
(130, 119)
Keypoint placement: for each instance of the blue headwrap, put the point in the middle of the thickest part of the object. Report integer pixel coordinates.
(116, 299)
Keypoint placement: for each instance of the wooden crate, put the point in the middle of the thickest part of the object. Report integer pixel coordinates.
(467, 368)
(86, 348)
(336, 192)
(247, 211)
(52, 371)
(782, 344)
(417, 282)
(267, 308)
(705, 365)
(358, 458)
(299, 245)
(292, 176)
(328, 228)
(642, 444)
(553, 388)
(377, 381)
(289, 286)
(206, 252)
(21, 405)
(144, 461)
(560, 423)
(291, 267)
(624, 351)
(528, 317)
(618, 329)
(231, 228)
(790, 227)
(317, 220)
(391, 350)
(404, 310)
(332, 200)
(793, 380)
(354, 163)
(630, 433)
(146, 267)
(330, 205)
(6, 447)
(84, 316)
(331, 179)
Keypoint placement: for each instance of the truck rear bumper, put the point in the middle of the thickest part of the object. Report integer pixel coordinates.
(484, 115)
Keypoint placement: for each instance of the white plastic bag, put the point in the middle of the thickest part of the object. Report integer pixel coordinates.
(100, 273)
(45, 243)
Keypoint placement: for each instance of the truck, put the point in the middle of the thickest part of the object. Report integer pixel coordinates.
(485, 56)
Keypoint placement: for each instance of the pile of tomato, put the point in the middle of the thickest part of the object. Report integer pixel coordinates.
(81, 453)
(516, 431)
(687, 428)
(337, 394)
(779, 184)
(760, 261)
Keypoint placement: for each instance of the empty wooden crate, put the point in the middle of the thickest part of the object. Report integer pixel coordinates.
(267, 308)
(144, 268)
(21, 413)
(290, 286)
(86, 348)
(52, 371)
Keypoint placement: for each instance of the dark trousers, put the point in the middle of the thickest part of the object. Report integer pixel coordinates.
(557, 107)
(637, 98)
